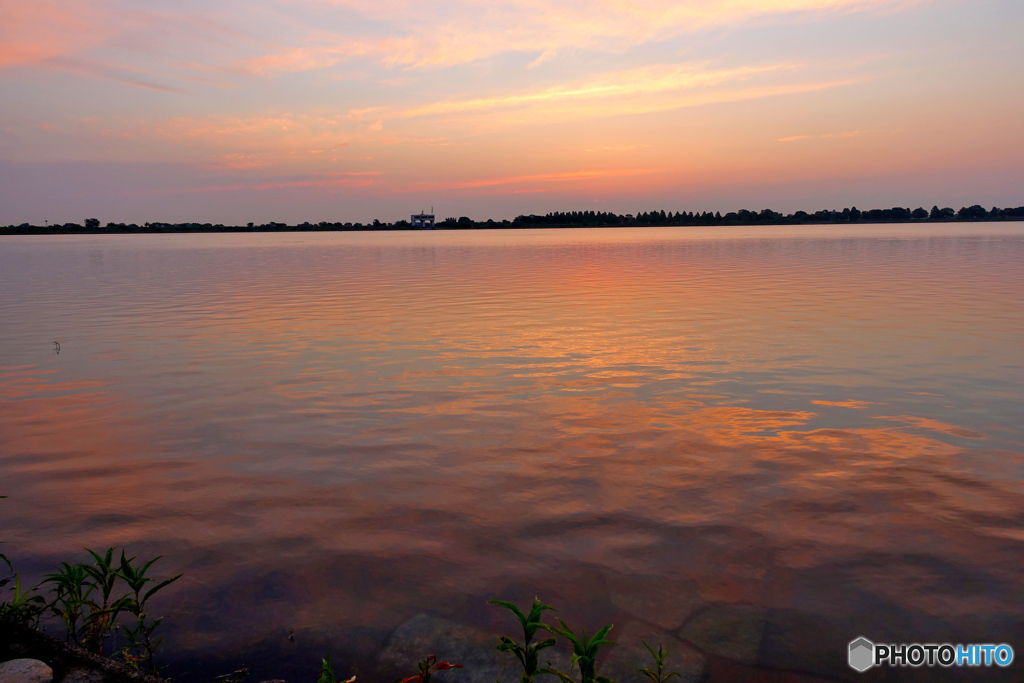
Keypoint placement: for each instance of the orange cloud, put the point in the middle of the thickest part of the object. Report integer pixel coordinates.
(540, 178)
(645, 80)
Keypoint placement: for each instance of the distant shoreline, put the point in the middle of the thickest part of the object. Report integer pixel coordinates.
(573, 219)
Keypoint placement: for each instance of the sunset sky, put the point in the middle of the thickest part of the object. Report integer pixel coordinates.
(348, 110)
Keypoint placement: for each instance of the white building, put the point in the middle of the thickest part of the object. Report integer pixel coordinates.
(424, 221)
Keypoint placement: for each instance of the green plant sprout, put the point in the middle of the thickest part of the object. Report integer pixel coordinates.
(141, 635)
(23, 608)
(526, 653)
(428, 667)
(657, 675)
(86, 593)
(584, 653)
(103, 614)
(72, 589)
(327, 673)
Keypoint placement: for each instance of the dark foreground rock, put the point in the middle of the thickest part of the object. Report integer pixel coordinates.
(458, 643)
(67, 663)
(428, 634)
(25, 671)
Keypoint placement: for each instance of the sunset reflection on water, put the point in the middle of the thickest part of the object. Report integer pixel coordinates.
(332, 433)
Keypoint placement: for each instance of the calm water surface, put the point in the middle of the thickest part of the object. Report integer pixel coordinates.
(797, 436)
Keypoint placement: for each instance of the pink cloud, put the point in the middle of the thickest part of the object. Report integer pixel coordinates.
(38, 31)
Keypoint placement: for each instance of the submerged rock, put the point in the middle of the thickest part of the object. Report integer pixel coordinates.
(732, 631)
(806, 642)
(655, 599)
(25, 671)
(623, 660)
(428, 634)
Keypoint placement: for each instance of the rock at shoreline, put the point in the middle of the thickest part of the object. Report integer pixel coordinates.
(25, 671)
(56, 661)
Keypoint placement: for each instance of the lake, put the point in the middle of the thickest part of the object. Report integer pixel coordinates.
(751, 444)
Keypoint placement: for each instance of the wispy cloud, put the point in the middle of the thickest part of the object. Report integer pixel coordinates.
(845, 134)
(433, 34)
(122, 74)
(628, 97)
(541, 178)
(645, 80)
(614, 148)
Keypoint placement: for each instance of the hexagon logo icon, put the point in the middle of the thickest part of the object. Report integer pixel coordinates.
(862, 654)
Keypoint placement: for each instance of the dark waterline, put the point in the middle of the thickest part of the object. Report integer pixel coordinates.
(334, 433)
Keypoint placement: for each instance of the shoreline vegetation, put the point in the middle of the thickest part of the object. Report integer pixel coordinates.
(85, 602)
(570, 219)
(101, 606)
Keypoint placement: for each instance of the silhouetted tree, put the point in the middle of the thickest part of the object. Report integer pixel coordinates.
(92, 223)
(919, 214)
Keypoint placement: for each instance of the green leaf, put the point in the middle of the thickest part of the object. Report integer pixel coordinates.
(512, 608)
(650, 675)
(162, 584)
(599, 637)
(565, 632)
(555, 672)
(543, 644)
(538, 608)
(327, 672)
(145, 567)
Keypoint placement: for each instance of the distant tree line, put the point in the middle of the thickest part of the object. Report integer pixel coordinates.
(566, 219)
(769, 217)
